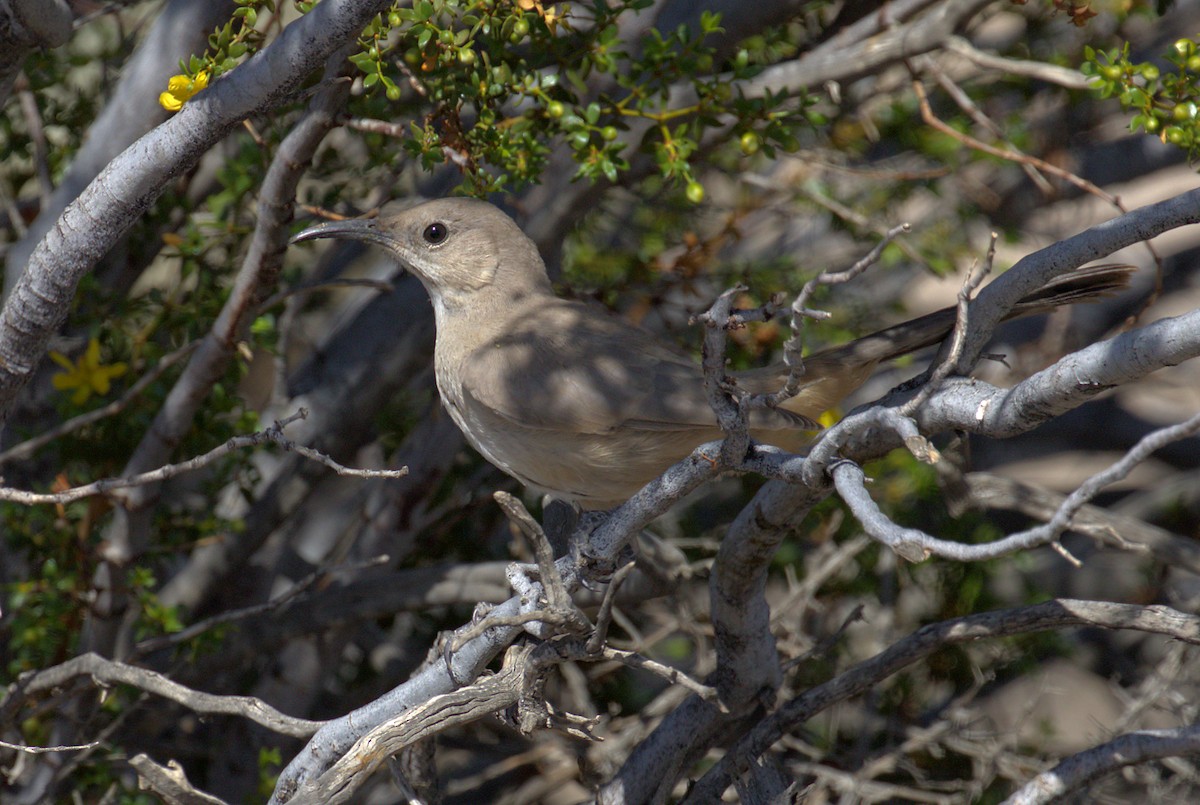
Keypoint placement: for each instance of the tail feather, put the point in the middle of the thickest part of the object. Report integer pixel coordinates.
(1087, 284)
(832, 374)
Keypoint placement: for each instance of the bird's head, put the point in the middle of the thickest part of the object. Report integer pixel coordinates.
(457, 247)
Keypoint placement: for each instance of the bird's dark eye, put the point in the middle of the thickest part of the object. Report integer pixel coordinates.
(435, 233)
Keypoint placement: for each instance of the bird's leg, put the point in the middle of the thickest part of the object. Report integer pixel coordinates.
(559, 607)
(596, 571)
(559, 519)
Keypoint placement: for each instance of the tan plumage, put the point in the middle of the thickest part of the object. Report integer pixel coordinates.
(570, 399)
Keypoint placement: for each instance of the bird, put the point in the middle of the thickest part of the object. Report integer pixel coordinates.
(572, 400)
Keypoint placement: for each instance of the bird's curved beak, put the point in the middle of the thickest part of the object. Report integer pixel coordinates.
(365, 229)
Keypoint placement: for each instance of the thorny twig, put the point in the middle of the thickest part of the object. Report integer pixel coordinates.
(915, 545)
(793, 348)
(958, 335)
(273, 434)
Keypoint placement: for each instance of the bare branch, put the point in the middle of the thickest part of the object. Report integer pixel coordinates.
(273, 434)
(1041, 71)
(1056, 614)
(1108, 528)
(901, 31)
(793, 348)
(41, 750)
(200, 627)
(958, 335)
(170, 782)
(1129, 749)
(338, 784)
(110, 672)
(916, 546)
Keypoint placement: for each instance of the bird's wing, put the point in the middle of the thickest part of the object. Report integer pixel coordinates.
(586, 371)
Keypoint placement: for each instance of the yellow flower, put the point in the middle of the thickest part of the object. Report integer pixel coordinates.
(87, 375)
(180, 88)
(829, 418)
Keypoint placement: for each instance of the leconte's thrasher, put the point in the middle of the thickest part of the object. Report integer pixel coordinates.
(575, 401)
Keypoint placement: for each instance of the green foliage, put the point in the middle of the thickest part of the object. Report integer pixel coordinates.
(62, 82)
(155, 617)
(233, 42)
(270, 761)
(501, 99)
(44, 609)
(1164, 102)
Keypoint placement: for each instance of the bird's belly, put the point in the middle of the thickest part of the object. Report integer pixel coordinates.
(596, 471)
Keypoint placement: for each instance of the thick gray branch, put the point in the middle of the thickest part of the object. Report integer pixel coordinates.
(1125, 750)
(180, 30)
(128, 185)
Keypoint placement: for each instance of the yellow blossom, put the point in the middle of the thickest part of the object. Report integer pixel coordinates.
(829, 418)
(86, 375)
(180, 88)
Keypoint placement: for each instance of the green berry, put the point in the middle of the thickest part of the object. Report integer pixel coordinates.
(393, 93)
(609, 133)
(749, 143)
(521, 28)
(1149, 72)
(695, 192)
(1112, 72)
(555, 109)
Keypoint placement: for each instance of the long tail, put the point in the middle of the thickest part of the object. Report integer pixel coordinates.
(832, 374)
(1087, 284)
